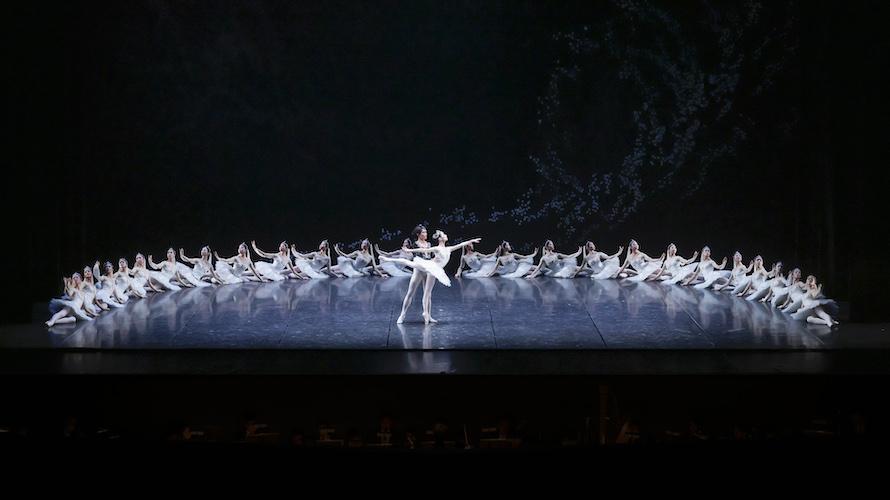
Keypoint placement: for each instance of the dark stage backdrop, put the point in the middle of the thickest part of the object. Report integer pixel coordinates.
(746, 126)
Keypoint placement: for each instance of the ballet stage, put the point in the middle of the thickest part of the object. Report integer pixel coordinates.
(494, 326)
(572, 357)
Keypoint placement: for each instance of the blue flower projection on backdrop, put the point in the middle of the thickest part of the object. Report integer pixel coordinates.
(640, 107)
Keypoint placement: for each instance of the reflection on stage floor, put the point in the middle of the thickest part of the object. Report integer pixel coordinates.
(486, 314)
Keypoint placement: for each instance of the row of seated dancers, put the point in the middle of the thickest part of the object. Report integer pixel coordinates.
(87, 295)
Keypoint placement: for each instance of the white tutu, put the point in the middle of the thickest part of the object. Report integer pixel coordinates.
(763, 290)
(561, 268)
(164, 277)
(808, 307)
(353, 268)
(227, 273)
(479, 268)
(643, 268)
(679, 272)
(313, 267)
(394, 270)
(516, 268)
(89, 297)
(425, 265)
(711, 275)
(269, 271)
(139, 280)
(192, 275)
(75, 303)
(105, 294)
(122, 285)
(602, 269)
(794, 290)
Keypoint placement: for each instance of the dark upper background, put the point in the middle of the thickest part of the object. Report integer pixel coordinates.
(136, 126)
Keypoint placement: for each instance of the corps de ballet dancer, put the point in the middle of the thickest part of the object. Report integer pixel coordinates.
(125, 282)
(90, 293)
(598, 265)
(814, 304)
(752, 282)
(358, 263)
(793, 290)
(708, 269)
(737, 275)
(675, 267)
(512, 265)
(642, 264)
(554, 264)
(141, 275)
(317, 264)
(106, 291)
(391, 268)
(775, 281)
(166, 271)
(70, 309)
(239, 267)
(428, 269)
(281, 267)
(202, 267)
(479, 264)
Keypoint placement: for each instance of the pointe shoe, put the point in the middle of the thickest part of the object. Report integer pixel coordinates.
(401, 319)
(427, 319)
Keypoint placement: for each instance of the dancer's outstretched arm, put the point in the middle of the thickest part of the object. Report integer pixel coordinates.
(259, 252)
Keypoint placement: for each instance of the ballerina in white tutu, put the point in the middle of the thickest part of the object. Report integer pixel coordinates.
(512, 265)
(90, 294)
(752, 282)
(792, 291)
(391, 268)
(738, 275)
(642, 264)
(106, 292)
(281, 267)
(124, 281)
(775, 281)
(675, 267)
(814, 304)
(167, 271)
(70, 309)
(317, 264)
(555, 264)
(140, 275)
(478, 264)
(202, 267)
(238, 267)
(708, 269)
(358, 263)
(431, 269)
(597, 264)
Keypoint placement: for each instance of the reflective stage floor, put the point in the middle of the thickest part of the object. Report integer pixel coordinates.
(488, 326)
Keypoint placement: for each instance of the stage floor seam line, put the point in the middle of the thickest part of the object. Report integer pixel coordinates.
(695, 322)
(192, 316)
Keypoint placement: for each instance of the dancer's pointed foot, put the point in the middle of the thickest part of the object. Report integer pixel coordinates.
(401, 319)
(427, 319)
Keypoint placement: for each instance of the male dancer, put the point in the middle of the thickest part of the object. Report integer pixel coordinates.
(419, 276)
